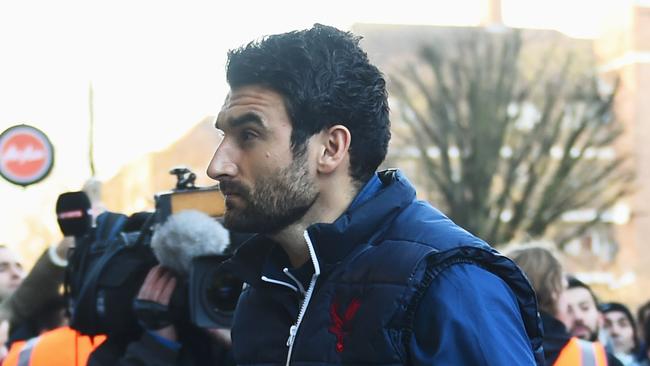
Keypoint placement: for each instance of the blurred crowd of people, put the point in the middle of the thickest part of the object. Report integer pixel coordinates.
(577, 325)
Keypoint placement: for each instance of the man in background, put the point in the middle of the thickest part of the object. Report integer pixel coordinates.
(24, 310)
(11, 276)
(11, 272)
(578, 310)
(620, 326)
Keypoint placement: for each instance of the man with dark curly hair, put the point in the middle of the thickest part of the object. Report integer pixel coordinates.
(348, 266)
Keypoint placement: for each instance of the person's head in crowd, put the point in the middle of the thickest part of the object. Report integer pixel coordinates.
(303, 126)
(643, 314)
(11, 271)
(578, 310)
(544, 271)
(619, 324)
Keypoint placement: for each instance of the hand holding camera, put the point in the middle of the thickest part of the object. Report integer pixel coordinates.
(152, 304)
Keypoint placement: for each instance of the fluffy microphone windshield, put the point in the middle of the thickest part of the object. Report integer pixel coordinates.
(186, 235)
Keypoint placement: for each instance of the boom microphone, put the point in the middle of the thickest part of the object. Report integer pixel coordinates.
(72, 213)
(186, 235)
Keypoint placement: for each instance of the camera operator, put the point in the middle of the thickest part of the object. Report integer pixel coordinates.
(168, 336)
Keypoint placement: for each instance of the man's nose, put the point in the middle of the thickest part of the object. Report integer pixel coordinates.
(16, 271)
(223, 163)
(580, 318)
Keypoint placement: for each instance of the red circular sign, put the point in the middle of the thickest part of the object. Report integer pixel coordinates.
(26, 155)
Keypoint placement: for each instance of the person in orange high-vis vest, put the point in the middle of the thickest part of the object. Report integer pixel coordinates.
(545, 273)
(62, 346)
(578, 352)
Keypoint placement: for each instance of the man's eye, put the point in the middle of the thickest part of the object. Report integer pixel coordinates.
(623, 323)
(247, 135)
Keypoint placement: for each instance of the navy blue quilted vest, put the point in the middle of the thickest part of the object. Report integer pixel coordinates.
(362, 308)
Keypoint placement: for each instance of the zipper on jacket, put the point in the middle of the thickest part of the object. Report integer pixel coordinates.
(293, 331)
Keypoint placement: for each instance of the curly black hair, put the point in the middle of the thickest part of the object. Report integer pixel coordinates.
(325, 79)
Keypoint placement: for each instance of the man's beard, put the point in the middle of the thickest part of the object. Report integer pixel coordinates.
(275, 202)
(592, 335)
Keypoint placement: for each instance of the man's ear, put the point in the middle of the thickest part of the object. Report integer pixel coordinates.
(334, 149)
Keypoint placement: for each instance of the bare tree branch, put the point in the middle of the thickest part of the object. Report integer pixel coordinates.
(515, 152)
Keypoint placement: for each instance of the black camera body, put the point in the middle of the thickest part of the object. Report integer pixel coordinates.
(109, 263)
(104, 273)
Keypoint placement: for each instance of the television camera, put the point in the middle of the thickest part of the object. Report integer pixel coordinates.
(110, 260)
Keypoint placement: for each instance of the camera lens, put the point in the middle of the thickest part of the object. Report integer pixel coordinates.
(214, 292)
(222, 291)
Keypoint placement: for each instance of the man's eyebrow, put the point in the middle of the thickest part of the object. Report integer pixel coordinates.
(245, 118)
